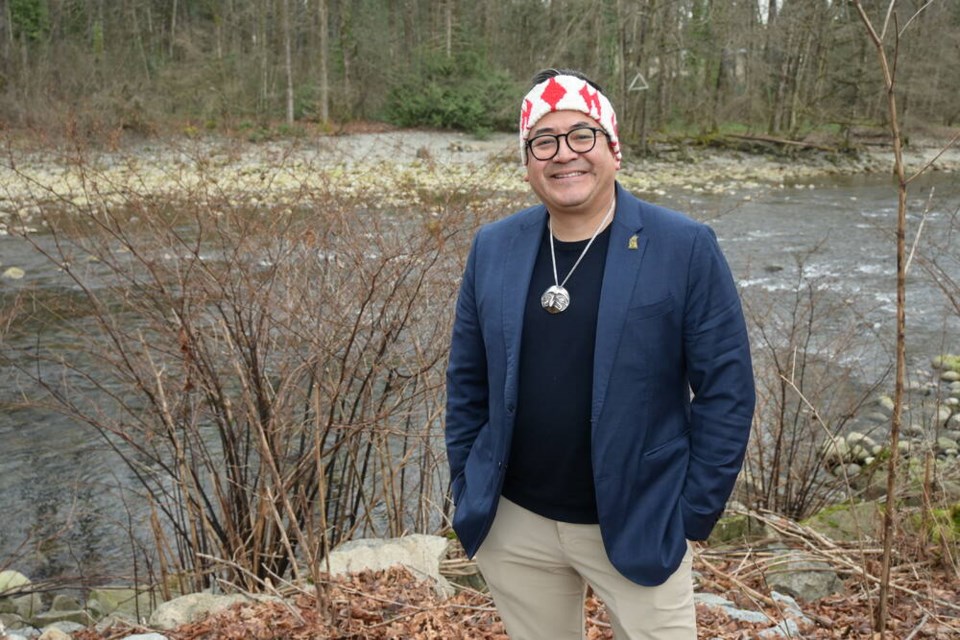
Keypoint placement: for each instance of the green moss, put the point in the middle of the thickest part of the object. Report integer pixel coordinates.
(939, 524)
(947, 362)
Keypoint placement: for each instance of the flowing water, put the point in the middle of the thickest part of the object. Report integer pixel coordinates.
(62, 510)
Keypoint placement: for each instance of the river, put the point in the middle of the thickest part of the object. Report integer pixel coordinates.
(66, 508)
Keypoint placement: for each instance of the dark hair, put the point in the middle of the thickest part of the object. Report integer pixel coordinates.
(545, 74)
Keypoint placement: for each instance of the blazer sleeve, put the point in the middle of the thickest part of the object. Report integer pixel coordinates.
(467, 409)
(720, 372)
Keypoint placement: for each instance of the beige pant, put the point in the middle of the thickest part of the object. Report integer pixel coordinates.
(538, 570)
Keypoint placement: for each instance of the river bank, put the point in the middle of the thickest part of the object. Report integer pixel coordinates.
(399, 167)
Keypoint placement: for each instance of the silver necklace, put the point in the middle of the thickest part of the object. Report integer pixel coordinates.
(556, 299)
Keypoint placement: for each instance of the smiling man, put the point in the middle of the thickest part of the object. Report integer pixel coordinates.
(599, 391)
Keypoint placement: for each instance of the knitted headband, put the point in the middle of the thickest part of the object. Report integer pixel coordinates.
(567, 93)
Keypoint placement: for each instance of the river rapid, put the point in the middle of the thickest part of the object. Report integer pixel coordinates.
(68, 509)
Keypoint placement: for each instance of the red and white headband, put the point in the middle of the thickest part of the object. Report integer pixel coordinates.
(567, 93)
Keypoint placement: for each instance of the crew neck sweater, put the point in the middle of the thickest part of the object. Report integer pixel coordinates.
(549, 470)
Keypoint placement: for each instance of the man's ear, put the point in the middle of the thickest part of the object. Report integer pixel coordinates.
(526, 177)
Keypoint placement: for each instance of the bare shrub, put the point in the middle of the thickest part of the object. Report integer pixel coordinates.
(271, 373)
(807, 347)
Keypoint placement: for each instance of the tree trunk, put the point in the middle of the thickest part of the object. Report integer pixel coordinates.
(288, 59)
(324, 56)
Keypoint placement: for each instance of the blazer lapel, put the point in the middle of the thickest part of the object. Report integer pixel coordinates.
(624, 257)
(518, 268)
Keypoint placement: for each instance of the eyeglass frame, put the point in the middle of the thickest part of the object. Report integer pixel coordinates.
(566, 139)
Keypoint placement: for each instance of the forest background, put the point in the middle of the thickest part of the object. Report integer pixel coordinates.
(687, 67)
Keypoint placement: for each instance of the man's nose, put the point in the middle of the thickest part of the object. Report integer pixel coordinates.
(564, 152)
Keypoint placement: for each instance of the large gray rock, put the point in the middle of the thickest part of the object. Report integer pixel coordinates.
(796, 575)
(191, 608)
(419, 553)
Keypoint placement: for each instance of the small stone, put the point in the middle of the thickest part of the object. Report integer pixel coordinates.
(851, 470)
(855, 439)
(913, 430)
(54, 633)
(835, 450)
(16, 273)
(946, 445)
(62, 602)
(885, 403)
(946, 376)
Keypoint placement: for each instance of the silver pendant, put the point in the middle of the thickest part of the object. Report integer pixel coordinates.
(555, 299)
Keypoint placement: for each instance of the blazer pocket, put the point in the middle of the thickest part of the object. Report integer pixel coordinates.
(652, 310)
(677, 442)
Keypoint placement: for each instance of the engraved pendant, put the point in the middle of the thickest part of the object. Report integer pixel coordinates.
(555, 299)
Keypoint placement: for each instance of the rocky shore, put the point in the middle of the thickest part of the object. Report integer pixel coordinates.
(398, 167)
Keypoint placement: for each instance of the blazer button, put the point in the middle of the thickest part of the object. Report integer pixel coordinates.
(510, 408)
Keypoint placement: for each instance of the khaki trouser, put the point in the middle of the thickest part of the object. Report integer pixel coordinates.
(538, 570)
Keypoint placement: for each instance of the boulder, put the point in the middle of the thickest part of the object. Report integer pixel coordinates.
(66, 627)
(63, 602)
(419, 553)
(53, 633)
(10, 621)
(48, 618)
(847, 523)
(29, 605)
(11, 582)
(945, 444)
(719, 602)
(191, 608)
(132, 604)
(737, 529)
(797, 575)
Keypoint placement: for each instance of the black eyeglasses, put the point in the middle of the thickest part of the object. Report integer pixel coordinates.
(580, 140)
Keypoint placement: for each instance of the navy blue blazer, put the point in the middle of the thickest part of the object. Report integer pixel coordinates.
(673, 392)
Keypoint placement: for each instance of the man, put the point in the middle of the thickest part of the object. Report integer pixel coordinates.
(584, 325)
